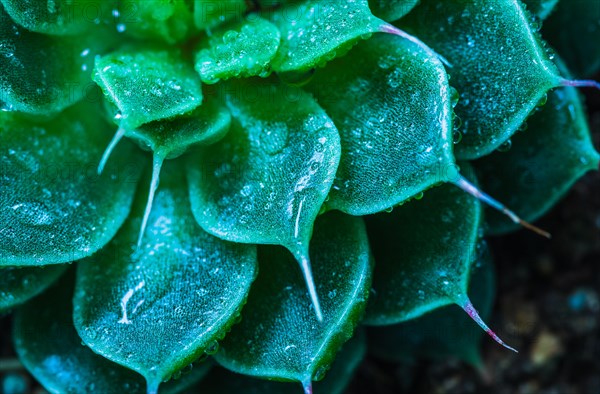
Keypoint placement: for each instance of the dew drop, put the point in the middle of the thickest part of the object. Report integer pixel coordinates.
(505, 147)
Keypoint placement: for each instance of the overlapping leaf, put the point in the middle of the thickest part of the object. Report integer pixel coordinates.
(221, 381)
(391, 10)
(57, 17)
(148, 85)
(51, 350)
(157, 308)
(393, 111)
(541, 8)
(315, 31)
(43, 74)
(574, 31)
(265, 182)
(18, 285)
(445, 332)
(543, 161)
(279, 336)
(170, 21)
(54, 208)
(499, 65)
(423, 252)
(241, 49)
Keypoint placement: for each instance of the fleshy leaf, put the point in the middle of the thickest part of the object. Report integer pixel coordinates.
(158, 307)
(148, 85)
(43, 74)
(423, 251)
(242, 49)
(54, 208)
(57, 17)
(316, 31)
(499, 67)
(49, 347)
(279, 337)
(542, 162)
(445, 332)
(222, 381)
(18, 285)
(210, 13)
(541, 8)
(391, 10)
(574, 31)
(397, 137)
(170, 21)
(170, 138)
(266, 181)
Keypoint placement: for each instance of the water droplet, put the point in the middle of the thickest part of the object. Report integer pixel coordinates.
(454, 96)
(543, 100)
(212, 348)
(457, 137)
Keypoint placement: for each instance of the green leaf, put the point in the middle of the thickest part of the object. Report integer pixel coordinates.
(499, 65)
(541, 8)
(222, 381)
(169, 138)
(158, 307)
(210, 13)
(54, 208)
(43, 74)
(57, 17)
(392, 10)
(278, 337)
(18, 285)
(393, 112)
(170, 21)
(445, 332)
(316, 31)
(574, 31)
(148, 85)
(50, 349)
(542, 162)
(241, 49)
(266, 181)
(423, 252)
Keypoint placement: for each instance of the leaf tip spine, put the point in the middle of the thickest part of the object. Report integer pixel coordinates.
(307, 386)
(109, 149)
(157, 162)
(391, 29)
(468, 187)
(305, 266)
(588, 83)
(468, 307)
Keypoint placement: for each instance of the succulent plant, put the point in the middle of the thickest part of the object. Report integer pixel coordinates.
(322, 167)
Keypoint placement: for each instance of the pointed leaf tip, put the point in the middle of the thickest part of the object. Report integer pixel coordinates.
(156, 166)
(581, 83)
(307, 386)
(391, 29)
(109, 149)
(470, 188)
(468, 307)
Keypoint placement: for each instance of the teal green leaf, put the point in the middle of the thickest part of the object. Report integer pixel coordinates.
(574, 31)
(222, 381)
(210, 13)
(266, 181)
(241, 49)
(170, 21)
(541, 9)
(148, 85)
(43, 74)
(397, 139)
(445, 332)
(423, 252)
(18, 285)
(543, 161)
(316, 31)
(54, 208)
(50, 349)
(279, 338)
(170, 138)
(391, 10)
(158, 307)
(57, 17)
(500, 67)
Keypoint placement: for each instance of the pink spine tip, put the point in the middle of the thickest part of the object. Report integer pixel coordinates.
(307, 385)
(581, 83)
(473, 314)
